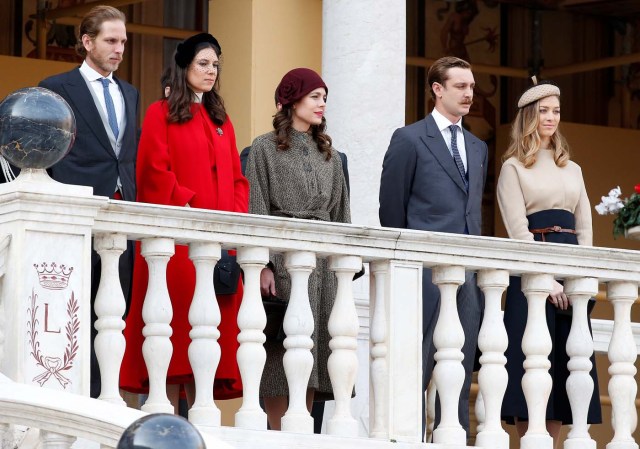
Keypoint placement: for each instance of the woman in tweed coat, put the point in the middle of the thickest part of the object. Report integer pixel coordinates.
(294, 172)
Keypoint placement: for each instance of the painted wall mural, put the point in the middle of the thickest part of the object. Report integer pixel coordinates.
(469, 29)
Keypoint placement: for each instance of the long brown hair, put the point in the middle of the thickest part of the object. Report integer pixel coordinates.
(525, 140)
(181, 96)
(283, 124)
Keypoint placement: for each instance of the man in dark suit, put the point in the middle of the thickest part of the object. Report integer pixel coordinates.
(433, 176)
(106, 108)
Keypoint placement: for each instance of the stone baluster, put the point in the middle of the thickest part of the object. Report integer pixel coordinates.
(52, 440)
(378, 336)
(109, 307)
(448, 338)
(251, 354)
(343, 361)
(157, 314)
(622, 356)
(536, 345)
(298, 325)
(492, 341)
(480, 411)
(204, 349)
(580, 349)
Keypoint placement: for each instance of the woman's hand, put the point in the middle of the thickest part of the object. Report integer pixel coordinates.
(558, 298)
(267, 282)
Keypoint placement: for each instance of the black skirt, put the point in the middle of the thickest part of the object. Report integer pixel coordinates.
(559, 324)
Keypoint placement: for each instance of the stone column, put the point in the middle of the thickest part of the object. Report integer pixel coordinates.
(363, 64)
(46, 286)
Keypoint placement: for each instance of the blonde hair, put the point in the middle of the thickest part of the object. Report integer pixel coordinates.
(525, 140)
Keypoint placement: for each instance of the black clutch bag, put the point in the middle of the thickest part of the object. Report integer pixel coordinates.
(226, 274)
(275, 309)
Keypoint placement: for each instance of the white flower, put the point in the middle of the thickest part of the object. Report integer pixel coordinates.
(615, 193)
(610, 204)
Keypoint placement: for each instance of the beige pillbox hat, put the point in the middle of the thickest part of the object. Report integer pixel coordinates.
(537, 91)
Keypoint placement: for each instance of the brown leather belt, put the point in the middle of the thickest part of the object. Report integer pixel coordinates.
(543, 231)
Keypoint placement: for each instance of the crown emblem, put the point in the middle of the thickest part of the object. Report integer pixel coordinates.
(53, 277)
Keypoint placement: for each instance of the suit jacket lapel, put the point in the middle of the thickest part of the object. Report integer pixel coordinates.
(474, 160)
(78, 92)
(436, 144)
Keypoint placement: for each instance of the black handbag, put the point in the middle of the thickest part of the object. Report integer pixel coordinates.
(226, 274)
(275, 308)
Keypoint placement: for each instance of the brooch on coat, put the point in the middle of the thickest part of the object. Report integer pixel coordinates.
(219, 131)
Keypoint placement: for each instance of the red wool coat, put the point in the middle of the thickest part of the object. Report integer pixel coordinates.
(193, 163)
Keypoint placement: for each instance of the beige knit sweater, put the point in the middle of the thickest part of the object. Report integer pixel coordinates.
(523, 191)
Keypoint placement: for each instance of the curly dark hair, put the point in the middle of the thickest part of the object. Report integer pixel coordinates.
(181, 96)
(283, 124)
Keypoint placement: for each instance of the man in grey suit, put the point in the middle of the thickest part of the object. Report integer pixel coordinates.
(433, 176)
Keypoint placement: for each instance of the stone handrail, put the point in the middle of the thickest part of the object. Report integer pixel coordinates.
(34, 214)
(396, 258)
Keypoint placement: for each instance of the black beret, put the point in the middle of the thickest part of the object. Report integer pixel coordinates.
(186, 50)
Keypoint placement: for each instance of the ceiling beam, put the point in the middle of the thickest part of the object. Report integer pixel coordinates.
(513, 72)
(80, 10)
(551, 72)
(588, 66)
(136, 28)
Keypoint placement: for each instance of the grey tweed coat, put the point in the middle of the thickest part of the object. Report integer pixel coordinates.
(299, 182)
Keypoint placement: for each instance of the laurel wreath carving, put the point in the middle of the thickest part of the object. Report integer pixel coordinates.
(54, 365)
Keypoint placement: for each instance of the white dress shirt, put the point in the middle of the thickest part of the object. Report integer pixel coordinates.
(443, 125)
(94, 81)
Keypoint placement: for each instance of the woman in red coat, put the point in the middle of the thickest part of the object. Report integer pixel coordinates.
(187, 157)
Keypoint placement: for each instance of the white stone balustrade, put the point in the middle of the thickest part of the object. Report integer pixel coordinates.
(109, 307)
(579, 349)
(448, 338)
(298, 326)
(622, 385)
(396, 258)
(343, 361)
(157, 313)
(492, 341)
(251, 354)
(536, 346)
(204, 350)
(52, 440)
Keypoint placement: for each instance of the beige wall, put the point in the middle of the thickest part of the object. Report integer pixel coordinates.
(254, 35)
(16, 73)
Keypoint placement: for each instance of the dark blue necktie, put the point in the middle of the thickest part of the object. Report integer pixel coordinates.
(111, 110)
(456, 155)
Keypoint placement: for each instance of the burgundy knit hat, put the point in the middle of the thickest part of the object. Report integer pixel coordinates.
(296, 84)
